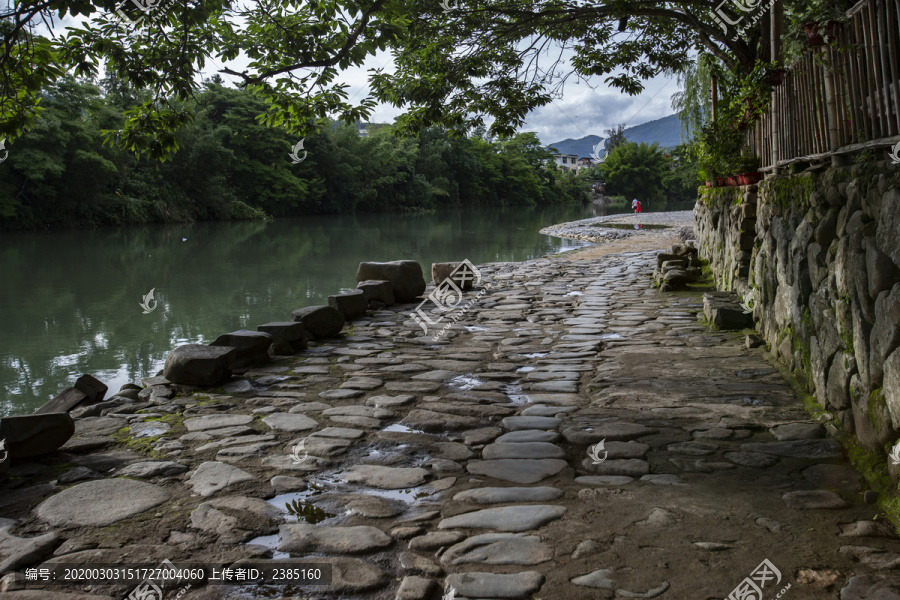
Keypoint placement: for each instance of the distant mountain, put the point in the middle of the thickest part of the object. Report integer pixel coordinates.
(666, 132)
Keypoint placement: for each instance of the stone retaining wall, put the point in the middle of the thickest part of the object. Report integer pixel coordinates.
(818, 255)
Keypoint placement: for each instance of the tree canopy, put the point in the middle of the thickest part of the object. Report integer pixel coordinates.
(486, 58)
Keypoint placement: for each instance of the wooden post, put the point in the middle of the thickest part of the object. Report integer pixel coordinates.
(715, 96)
(777, 29)
(831, 109)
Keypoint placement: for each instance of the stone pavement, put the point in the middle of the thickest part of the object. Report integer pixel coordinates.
(578, 435)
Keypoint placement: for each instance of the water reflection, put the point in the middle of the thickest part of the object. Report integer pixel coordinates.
(72, 299)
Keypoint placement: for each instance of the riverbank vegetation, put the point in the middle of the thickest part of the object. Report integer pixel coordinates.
(230, 166)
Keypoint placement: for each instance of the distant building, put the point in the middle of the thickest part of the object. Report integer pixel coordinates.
(363, 132)
(567, 162)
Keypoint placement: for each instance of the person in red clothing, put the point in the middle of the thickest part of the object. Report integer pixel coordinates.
(637, 206)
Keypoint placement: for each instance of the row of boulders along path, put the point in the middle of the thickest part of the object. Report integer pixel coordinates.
(577, 434)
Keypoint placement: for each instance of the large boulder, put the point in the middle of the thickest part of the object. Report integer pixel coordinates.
(29, 436)
(90, 386)
(87, 390)
(320, 321)
(405, 276)
(288, 337)
(252, 348)
(65, 401)
(352, 304)
(196, 364)
(378, 291)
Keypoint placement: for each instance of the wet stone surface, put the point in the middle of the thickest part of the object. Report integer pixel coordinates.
(576, 435)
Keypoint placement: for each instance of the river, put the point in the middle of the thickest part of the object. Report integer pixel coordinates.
(71, 299)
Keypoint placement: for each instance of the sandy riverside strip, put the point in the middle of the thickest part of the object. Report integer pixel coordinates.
(589, 230)
(616, 241)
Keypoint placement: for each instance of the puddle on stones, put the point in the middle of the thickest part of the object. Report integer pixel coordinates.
(612, 336)
(464, 382)
(514, 393)
(574, 294)
(524, 369)
(474, 328)
(629, 226)
(400, 428)
(270, 542)
(535, 355)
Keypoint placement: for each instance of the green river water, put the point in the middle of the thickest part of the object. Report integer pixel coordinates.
(71, 299)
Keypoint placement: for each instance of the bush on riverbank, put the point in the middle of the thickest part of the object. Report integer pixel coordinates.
(61, 173)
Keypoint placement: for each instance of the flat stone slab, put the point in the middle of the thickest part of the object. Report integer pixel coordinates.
(290, 422)
(143, 470)
(598, 579)
(798, 448)
(663, 479)
(100, 503)
(603, 479)
(518, 423)
(148, 429)
(522, 450)
(302, 537)
(751, 459)
(212, 476)
(499, 549)
(382, 401)
(362, 383)
(631, 467)
(207, 422)
(91, 426)
(693, 448)
(424, 387)
(491, 585)
(616, 431)
(341, 394)
(17, 551)
(386, 478)
(517, 470)
(359, 411)
(339, 432)
(501, 495)
(810, 499)
(798, 431)
(528, 435)
(506, 518)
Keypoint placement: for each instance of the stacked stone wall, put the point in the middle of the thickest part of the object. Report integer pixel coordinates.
(818, 255)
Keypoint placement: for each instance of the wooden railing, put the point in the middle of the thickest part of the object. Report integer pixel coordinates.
(837, 99)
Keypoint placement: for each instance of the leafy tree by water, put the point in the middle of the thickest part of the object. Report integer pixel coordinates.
(231, 166)
(635, 171)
